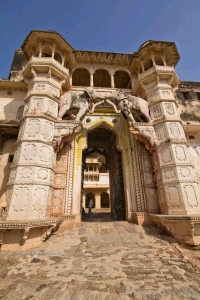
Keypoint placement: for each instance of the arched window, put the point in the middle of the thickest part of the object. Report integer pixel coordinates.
(148, 64)
(89, 195)
(122, 80)
(58, 57)
(158, 60)
(81, 77)
(20, 112)
(105, 203)
(102, 78)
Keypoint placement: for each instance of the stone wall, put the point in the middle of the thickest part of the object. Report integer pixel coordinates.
(9, 104)
(8, 149)
(189, 108)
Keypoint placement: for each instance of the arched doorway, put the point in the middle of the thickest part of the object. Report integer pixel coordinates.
(122, 80)
(89, 195)
(103, 141)
(81, 77)
(102, 78)
(105, 203)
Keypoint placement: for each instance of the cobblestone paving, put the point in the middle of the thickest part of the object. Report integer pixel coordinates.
(102, 261)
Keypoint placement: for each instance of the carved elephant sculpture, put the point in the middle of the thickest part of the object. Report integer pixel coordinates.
(131, 106)
(98, 98)
(74, 102)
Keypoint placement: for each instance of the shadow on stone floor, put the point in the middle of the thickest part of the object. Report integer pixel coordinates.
(98, 217)
(159, 233)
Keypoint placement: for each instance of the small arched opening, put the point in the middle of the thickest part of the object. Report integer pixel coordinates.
(89, 195)
(81, 77)
(46, 52)
(148, 64)
(102, 78)
(158, 60)
(122, 80)
(57, 57)
(105, 203)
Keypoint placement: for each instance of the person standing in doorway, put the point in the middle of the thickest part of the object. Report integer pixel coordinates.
(90, 207)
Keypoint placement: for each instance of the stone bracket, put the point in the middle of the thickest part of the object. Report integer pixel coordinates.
(25, 235)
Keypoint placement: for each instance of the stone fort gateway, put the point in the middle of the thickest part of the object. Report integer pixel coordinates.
(119, 128)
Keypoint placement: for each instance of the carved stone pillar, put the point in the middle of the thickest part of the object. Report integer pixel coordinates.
(32, 175)
(91, 80)
(83, 202)
(112, 81)
(177, 185)
(97, 201)
(70, 76)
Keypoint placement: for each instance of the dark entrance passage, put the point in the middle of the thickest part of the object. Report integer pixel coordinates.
(102, 176)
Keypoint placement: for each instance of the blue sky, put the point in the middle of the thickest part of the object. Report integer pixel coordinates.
(106, 25)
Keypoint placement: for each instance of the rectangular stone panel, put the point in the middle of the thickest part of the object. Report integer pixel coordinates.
(196, 229)
(175, 202)
(152, 200)
(191, 195)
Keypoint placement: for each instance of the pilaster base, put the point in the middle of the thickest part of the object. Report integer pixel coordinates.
(69, 221)
(25, 235)
(142, 218)
(186, 229)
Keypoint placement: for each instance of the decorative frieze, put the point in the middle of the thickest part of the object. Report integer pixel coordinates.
(44, 87)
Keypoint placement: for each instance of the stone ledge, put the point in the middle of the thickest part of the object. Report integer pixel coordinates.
(25, 235)
(185, 228)
(175, 217)
(18, 224)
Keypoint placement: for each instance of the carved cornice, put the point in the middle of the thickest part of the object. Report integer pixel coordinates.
(171, 141)
(155, 70)
(31, 182)
(164, 182)
(6, 84)
(69, 217)
(138, 124)
(175, 218)
(31, 224)
(105, 58)
(14, 165)
(140, 214)
(177, 164)
(33, 139)
(189, 85)
(40, 115)
(34, 182)
(46, 61)
(152, 91)
(167, 118)
(42, 94)
(62, 123)
(153, 101)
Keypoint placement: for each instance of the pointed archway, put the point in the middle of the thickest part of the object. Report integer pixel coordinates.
(102, 143)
